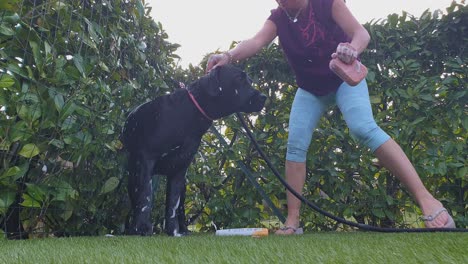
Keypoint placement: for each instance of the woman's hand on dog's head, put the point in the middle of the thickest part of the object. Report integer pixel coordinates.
(216, 60)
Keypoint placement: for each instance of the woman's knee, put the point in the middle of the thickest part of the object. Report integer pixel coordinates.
(362, 130)
(369, 134)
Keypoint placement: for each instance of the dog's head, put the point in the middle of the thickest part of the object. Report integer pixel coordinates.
(227, 90)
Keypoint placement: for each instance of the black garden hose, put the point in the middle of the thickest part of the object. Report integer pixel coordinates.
(328, 214)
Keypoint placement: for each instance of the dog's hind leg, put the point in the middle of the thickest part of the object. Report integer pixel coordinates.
(141, 191)
(181, 213)
(175, 198)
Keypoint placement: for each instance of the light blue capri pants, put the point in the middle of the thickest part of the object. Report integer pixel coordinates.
(354, 104)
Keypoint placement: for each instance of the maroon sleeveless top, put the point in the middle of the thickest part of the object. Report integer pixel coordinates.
(309, 43)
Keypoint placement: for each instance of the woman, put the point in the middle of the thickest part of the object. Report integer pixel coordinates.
(310, 32)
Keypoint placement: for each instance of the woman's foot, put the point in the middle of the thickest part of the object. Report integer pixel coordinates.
(289, 230)
(291, 227)
(436, 216)
(439, 219)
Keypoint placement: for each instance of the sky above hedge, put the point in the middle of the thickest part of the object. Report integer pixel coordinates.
(203, 26)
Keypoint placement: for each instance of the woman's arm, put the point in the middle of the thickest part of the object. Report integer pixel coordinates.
(250, 47)
(348, 23)
(246, 48)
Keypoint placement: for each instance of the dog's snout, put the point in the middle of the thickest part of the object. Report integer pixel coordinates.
(259, 96)
(255, 103)
(261, 99)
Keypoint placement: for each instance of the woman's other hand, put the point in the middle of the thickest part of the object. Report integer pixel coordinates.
(346, 53)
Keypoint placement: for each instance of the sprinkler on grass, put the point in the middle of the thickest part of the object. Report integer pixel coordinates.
(254, 232)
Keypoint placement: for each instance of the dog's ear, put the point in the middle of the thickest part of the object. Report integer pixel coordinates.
(213, 88)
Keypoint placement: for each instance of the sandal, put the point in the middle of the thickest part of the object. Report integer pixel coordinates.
(429, 218)
(284, 229)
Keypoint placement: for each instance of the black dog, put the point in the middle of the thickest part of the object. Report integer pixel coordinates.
(163, 135)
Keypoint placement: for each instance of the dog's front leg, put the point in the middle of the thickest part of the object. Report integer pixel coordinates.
(181, 213)
(175, 197)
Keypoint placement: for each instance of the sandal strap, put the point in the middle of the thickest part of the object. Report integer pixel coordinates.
(284, 228)
(433, 216)
(296, 230)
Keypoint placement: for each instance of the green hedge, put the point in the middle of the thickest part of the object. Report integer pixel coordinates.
(70, 70)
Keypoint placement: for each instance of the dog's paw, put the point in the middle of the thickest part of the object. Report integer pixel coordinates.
(177, 232)
(141, 230)
(186, 233)
(183, 229)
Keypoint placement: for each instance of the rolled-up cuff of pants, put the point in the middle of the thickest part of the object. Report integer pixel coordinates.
(378, 140)
(295, 154)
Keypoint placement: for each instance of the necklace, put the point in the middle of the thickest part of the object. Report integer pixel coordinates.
(292, 19)
(295, 18)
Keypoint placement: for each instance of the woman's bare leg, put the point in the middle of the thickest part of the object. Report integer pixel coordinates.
(295, 176)
(395, 160)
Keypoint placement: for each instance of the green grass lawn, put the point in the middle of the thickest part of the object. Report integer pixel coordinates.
(325, 247)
